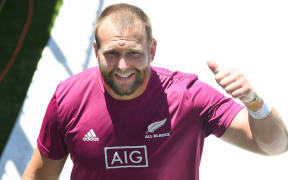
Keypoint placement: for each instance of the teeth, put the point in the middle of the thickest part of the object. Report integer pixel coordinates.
(124, 74)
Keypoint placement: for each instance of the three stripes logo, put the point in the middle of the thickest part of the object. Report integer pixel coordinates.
(90, 136)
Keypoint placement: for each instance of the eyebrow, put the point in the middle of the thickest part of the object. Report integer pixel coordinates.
(128, 49)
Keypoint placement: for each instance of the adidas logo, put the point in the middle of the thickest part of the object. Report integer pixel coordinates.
(90, 136)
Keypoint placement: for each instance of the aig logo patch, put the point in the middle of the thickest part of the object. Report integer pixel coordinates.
(126, 156)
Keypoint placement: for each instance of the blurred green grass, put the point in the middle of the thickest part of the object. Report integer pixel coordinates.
(14, 87)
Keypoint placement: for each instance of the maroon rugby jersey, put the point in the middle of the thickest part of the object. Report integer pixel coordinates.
(157, 136)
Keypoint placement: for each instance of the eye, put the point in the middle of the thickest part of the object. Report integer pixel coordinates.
(133, 53)
(111, 53)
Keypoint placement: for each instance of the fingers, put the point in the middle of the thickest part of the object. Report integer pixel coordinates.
(231, 80)
(238, 90)
(228, 76)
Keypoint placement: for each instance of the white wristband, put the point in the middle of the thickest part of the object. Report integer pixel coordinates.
(262, 113)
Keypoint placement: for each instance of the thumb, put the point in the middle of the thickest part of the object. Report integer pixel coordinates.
(213, 66)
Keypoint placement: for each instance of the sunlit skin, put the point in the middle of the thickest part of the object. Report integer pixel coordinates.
(124, 59)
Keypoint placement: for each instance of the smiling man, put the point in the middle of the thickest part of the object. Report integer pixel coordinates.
(128, 120)
(124, 54)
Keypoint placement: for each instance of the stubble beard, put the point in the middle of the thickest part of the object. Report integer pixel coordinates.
(140, 77)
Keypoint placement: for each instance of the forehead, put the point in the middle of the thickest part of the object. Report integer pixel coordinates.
(109, 32)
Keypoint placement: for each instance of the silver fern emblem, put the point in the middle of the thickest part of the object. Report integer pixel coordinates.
(156, 125)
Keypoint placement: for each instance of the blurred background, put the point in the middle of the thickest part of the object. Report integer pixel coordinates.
(44, 42)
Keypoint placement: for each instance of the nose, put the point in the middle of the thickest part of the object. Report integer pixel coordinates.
(122, 64)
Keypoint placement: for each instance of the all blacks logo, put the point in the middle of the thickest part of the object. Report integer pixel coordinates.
(126, 156)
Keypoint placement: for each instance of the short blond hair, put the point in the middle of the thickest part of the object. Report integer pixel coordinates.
(125, 16)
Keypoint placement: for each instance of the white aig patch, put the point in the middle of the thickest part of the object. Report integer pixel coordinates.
(126, 156)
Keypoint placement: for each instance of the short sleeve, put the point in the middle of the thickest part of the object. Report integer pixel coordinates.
(216, 110)
(50, 141)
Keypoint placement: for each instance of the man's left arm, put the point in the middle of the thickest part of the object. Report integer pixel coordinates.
(258, 127)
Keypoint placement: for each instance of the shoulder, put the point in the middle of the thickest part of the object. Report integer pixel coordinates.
(81, 78)
(170, 78)
(78, 82)
(186, 86)
(74, 92)
(178, 86)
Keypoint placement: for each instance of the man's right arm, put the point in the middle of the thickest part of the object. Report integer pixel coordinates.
(41, 167)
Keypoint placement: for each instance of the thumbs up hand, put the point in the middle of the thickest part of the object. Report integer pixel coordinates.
(233, 82)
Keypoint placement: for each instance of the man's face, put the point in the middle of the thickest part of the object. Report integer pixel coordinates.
(124, 59)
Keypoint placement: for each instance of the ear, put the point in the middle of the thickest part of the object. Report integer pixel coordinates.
(95, 46)
(153, 49)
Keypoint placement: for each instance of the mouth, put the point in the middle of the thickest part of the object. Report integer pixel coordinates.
(124, 75)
